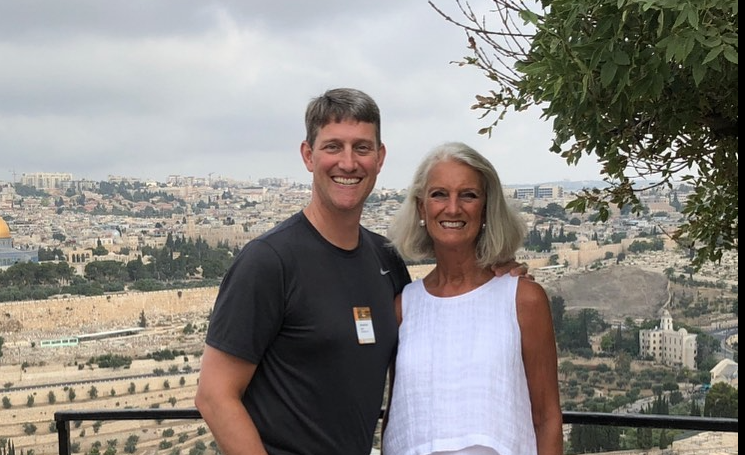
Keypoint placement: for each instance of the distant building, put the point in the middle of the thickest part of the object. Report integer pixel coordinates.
(549, 191)
(539, 192)
(7, 194)
(81, 185)
(9, 255)
(47, 180)
(668, 346)
(524, 193)
(255, 194)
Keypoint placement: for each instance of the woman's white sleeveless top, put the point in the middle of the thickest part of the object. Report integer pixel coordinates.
(460, 380)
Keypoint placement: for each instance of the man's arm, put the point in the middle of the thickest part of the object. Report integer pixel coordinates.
(512, 268)
(222, 382)
(391, 374)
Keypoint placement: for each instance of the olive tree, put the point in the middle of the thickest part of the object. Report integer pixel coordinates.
(649, 87)
(721, 401)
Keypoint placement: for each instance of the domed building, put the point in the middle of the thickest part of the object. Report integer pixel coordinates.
(4, 232)
(10, 255)
(667, 345)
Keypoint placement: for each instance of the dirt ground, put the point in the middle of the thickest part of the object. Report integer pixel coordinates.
(617, 292)
(113, 392)
(59, 369)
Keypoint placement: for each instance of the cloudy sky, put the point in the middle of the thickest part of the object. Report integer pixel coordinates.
(150, 88)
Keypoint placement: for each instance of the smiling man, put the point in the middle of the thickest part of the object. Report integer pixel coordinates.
(304, 328)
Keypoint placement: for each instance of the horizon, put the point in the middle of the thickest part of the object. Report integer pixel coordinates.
(567, 183)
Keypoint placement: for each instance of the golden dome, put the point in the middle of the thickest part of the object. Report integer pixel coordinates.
(4, 229)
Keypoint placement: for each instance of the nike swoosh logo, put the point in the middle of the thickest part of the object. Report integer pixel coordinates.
(384, 272)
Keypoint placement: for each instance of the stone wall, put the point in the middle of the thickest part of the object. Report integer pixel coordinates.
(80, 315)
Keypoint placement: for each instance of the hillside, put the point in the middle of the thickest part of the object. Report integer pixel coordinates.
(616, 291)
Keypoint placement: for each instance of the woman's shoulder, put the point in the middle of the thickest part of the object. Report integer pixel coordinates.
(530, 293)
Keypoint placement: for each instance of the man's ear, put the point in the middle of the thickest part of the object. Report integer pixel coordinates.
(306, 152)
(381, 156)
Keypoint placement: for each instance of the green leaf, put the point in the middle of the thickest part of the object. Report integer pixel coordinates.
(643, 88)
(671, 49)
(657, 85)
(711, 41)
(730, 38)
(607, 74)
(661, 23)
(621, 58)
(688, 45)
(585, 85)
(528, 17)
(679, 20)
(596, 56)
(730, 54)
(699, 71)
(693, 18)
(714, 53)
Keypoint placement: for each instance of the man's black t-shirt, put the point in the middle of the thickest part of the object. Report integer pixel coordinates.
(287, 305)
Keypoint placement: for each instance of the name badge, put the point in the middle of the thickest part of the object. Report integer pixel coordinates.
(363, 322)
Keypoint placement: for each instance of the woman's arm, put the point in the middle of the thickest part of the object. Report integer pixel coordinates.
(540, 360)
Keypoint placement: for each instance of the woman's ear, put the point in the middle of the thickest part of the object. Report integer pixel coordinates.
(420, 209)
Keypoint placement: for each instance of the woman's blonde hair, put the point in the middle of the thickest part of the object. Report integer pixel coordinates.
(502, 234)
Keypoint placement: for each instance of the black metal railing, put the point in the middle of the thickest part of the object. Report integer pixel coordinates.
(720, 424)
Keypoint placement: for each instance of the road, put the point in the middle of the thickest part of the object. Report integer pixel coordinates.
(722, 336)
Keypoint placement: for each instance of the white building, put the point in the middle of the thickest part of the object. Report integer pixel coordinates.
(725, 371)
(537, 192)
(46, 180)
(668, 346)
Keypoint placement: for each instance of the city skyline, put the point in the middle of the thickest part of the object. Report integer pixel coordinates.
(211, 178)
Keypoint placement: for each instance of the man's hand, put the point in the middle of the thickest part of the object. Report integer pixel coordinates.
(513, 268)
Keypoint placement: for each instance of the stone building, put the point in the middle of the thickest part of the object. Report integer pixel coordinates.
(668, 346)
(10, 255)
